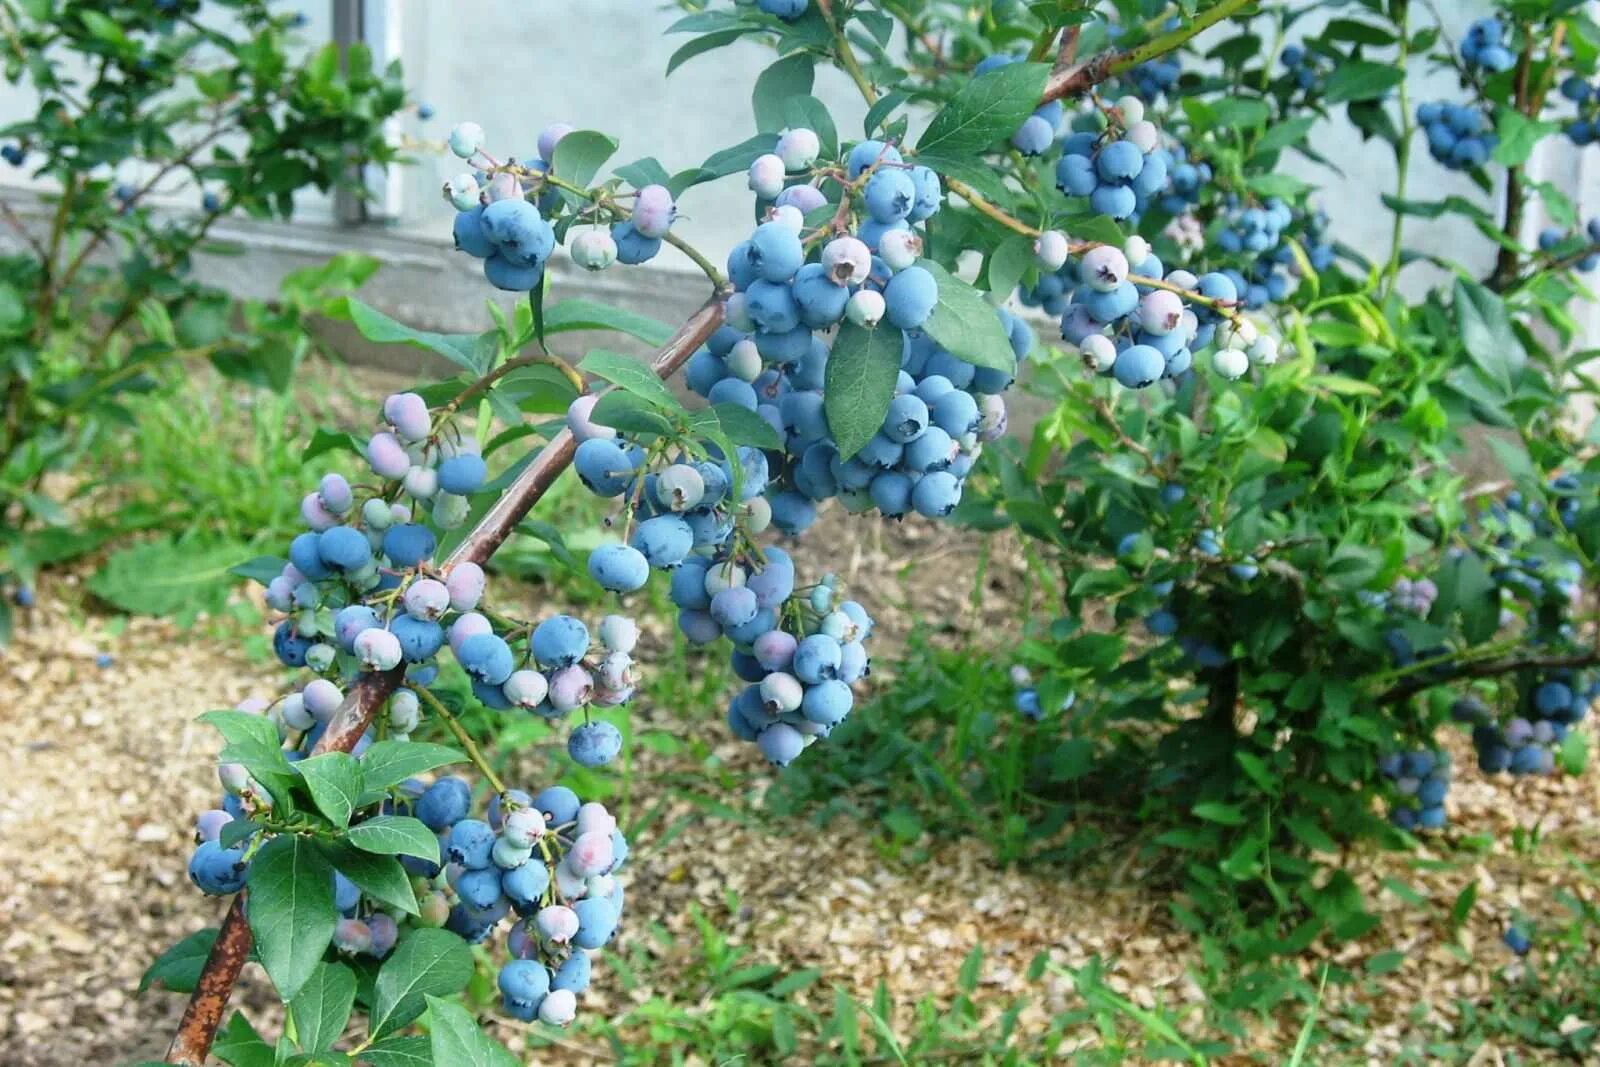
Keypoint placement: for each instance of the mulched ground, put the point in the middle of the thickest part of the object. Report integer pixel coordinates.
(106, 767)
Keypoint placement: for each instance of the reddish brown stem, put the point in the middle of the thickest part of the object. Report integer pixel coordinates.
(201, 1018)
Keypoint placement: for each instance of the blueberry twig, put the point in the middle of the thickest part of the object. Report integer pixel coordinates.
(468, 745)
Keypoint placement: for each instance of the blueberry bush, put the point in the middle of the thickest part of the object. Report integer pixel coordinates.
(151, 122)
(1248, 473)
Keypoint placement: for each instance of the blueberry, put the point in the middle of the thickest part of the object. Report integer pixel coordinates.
(936, 495)
(890, 194)
(775, 252)
(560, 641)
(408, 544)
(619, 568)
(910, 298)
(462, 474)
(594, 744)
(520, 234)
(486, 658)
(633, 247)
(867, 153)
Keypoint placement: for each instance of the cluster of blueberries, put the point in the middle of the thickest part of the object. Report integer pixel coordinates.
(1553, 705)
(1259, 233)
(552, 860)
(1459, 136)
(1185, 179)
(362, 594)
(1584, 128)
(1420, 781)
(1309, 69)
(1485, 46)
(497, 223)
(1038, 131)
(1138, 333)
(1154, 77)
(1121, 169)
(1552, 238)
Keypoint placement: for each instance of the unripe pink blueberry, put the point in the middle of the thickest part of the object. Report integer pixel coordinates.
(593, 818)
(804, 198)
(616, 672)
(787, 215)
(581, 424)
(335, 494)
(399, 512)
(1143, 135)
(551, 136)
(525, 688)
(774, 650)
(570, 688)
(1103, 268)
(594, 250)
(426, 599)
(590, 854)
(569, 884)
(385, 931)
(321, 698)
(847, 260)
(465, 583)
(653, 211)
(781, 692)
(1160, 312)
(378, 650)
(766, 176)
(408, 414)
(1050, 250)
(503, 186)
(524, 827)
(434, 909)
(900, 249)
(799, 149)
(1183, 279)
(466, 626)
(234, 778)
(352, 936)
(315, 515)
(559, 1007)
(208, 825)
(387, 457)
(556, 924)
(865, 307)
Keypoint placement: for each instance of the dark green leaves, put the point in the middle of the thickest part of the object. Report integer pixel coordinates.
(966, 324)
(178, 968)
(1362, 79)
(457, 1040)
(322, 1007)
(1486, 334)
(1518, 137)
(388, 763)
(580, 314)
(334, 780)
(860, 377)
(985, 110)
(789, 77)
(379, 877)
(1465, 587)
(580, 155)
(395, 835)
(424, 963)
(631, 375)
(470, 352)
(290, 908)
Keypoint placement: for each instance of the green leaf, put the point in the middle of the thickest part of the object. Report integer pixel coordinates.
(789, 76)
(459, 1042)
(471, 352)
(290, 908)
(388, 763)
(745, 427)
(379, 877)
(178, 968)
(631, 414)
(411, 1051)
(1226, 814)
(262, 569)
(168, 577)
(1283, 134)
(1008, 262)
(424, 963)
(395, 835)
(703, 44)
(242, 728)
(984, 110)
(580, 155)
(334, 779)
(322, 1007)
(1486, 333)
(325, 441)
(1519, 135)
(859, 383)
(239, 1044)
(1361, 79)
(628, 373)
(965, 324)
(643, 172)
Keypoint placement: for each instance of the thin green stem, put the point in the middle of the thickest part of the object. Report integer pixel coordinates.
(468, 745)
(1402, 153)
(847, 55)
(1091, 72)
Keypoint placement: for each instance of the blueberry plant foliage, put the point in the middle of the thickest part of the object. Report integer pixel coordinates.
(1308, 579)
(152, 121)
(1258, 529)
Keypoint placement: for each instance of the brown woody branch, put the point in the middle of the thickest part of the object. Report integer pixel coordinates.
(204, 1013)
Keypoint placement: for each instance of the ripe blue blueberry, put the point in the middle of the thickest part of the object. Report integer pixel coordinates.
(633, 247)
(890, 194)
(462, 474)
(594, 744)
(936, 495)
(664, 540)
(560, 641)
(444, 803)
(486, 658)
(910, 298)
(408, 544)
(619, 568)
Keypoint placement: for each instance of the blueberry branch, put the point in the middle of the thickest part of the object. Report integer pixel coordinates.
(206, 1006)
(1079, 77)
(847, 55)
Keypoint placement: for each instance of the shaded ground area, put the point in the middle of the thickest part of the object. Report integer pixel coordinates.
(106, 769)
